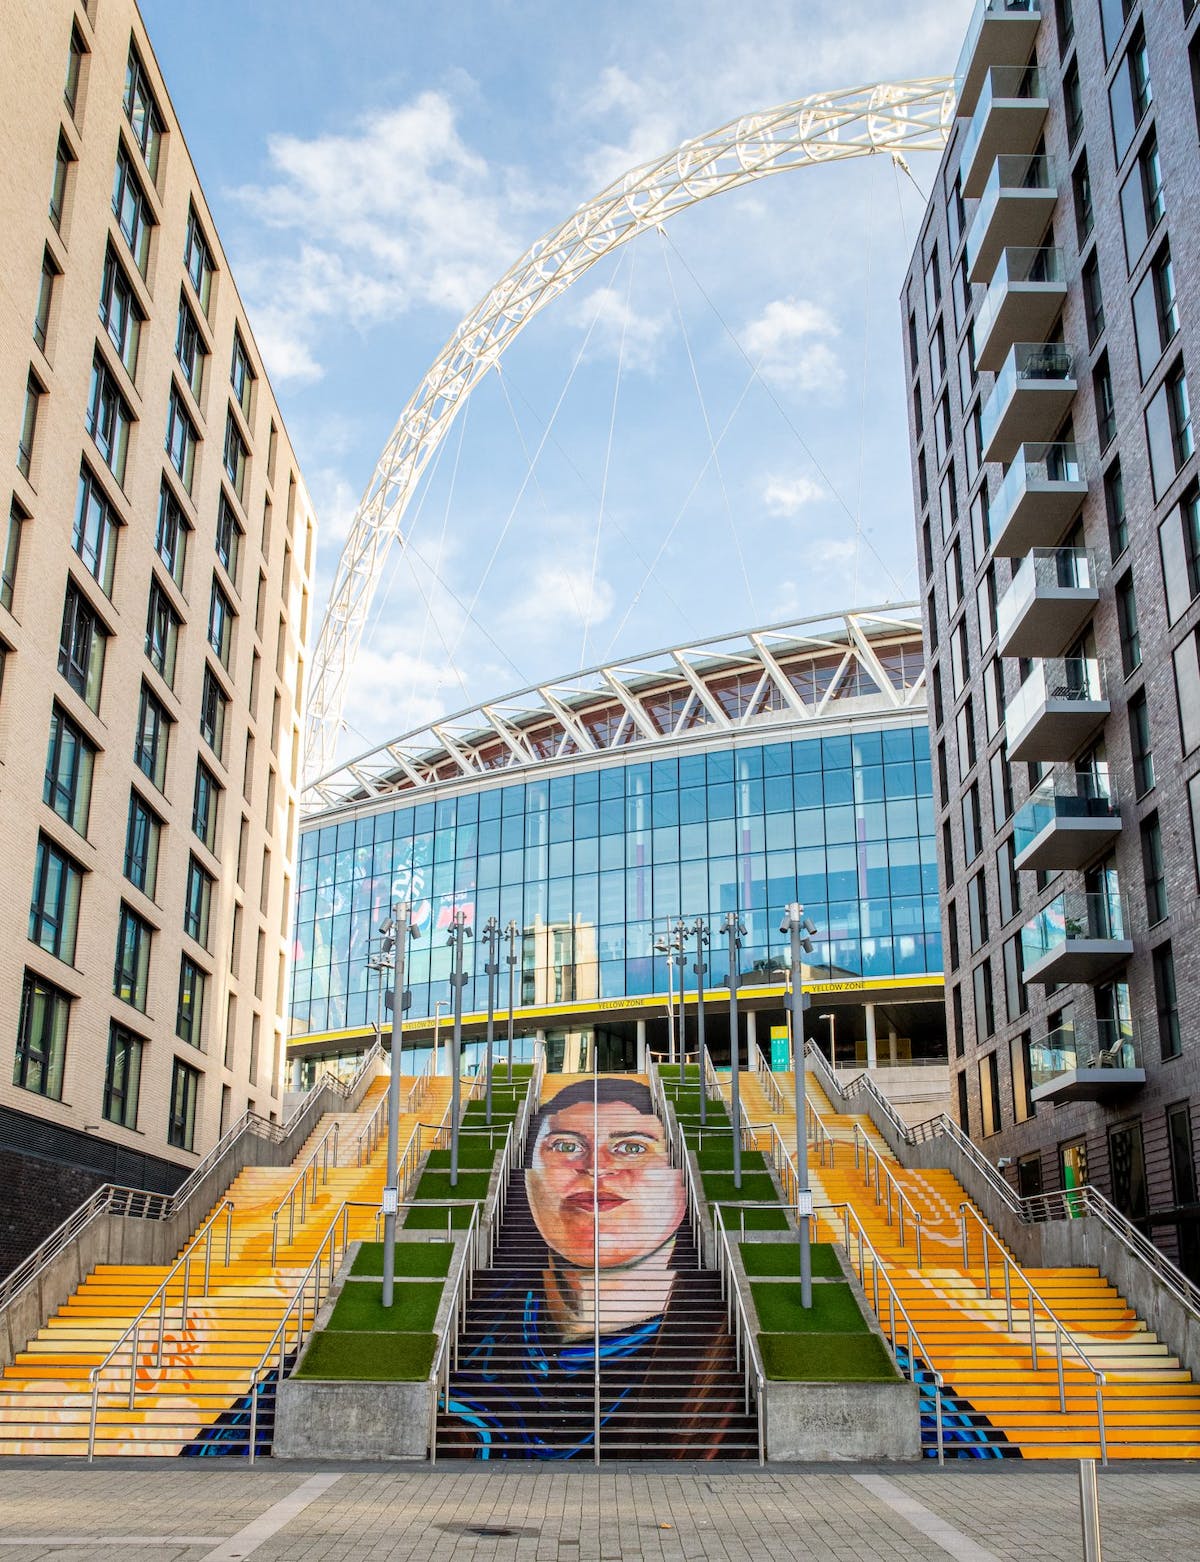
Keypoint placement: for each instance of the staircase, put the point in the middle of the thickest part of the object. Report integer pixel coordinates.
(998, 1403)
(191, 1397)
(669, 1383)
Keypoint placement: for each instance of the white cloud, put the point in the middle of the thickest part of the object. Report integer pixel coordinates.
(828, 573)
(560, 596)
(790, 343)
(789, 495)
(651, 114)
(619, 330)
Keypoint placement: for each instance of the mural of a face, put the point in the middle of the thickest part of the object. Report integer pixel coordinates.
(640, 1195)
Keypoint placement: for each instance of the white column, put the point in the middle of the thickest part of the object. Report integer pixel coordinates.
(296, 1080)
(872, 1056)
(641, 1046)
(751, 1033)
(892, 1045)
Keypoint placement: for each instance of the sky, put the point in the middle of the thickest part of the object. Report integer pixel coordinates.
(706, 433)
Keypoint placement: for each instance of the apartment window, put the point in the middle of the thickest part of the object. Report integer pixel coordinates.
(197, 260)
(1169, 430)
(1016, 997)
(954, 578)
(229, 538)
(190, 348)
(131, 968)
(1130, 95)
(122, 1076)
(1022, 1079)
(977, 915)
(1113, 16)
(94, 534)
(241, 375)
(1140, 743)
(131, 210)
(948, 511)
(1081, 189)
(70, 760)
(1187, 692)
(1093, 302)
(985, 1013)
(1127, 620)
(938, 354)
(45, 301)
(942, 429)
(989, 1095)
(957, 1022)
(1072, 104)
(108, 419)
(41, 1037)
(1114, 504)
(1006, 881)
(1179, 547)
(81, 646)
(162, 633)
(960, 292)
(981, 530)
(966, 738)
(968, 373)
(54, 906)
(964, 1104)
(993, 696)
(181, 439)
(58, 189)
(205, 801)
(1106, 407)
(197, 903)
(11, 555)
(170, 537)
(236, 456)
(29, 417)
(1155, 312)
(75, 57)
(1142, 201)
(213, 707)
(952, 927)
(189, 1013)
(181, 1119)
(142, 113)
(152, 739)
(972, 823)
(1002, 792)
(933, 284)
(1183, 1154)
(1154, 870)
(119, 312)
(143, 830)
(220, 624)
(1166, 1003)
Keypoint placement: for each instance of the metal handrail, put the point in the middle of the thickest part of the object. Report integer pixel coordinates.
(744, 1344)
(766, 1078)
(461, 1290)
(1034, 1301)
(301, 1184)
(870, 1157)
(159, 1296)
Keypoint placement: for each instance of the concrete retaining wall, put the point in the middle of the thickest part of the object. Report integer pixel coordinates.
(842, 1421)
(316, 1420)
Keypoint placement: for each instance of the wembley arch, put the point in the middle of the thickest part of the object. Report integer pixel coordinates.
(891, 118)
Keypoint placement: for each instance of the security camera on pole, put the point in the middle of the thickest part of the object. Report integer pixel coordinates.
(491, 937)
(734, 932)
(396, 932)
(800, 930)
(457, 937)
(512, 932)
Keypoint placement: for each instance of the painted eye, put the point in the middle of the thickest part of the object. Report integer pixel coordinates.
(564, 1146)
(630, 1147)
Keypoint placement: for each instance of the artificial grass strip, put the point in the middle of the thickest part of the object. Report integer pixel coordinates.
(757, 1188)
(504, 1110)
(368, 1358)
(474, 1152)
(826, 1358)
(436, 1185)
(762, 1219)
(834, 1309)
(431, 1217)
(420, 1259)
(718, 1156)
(782, 1259)
(359, 1309)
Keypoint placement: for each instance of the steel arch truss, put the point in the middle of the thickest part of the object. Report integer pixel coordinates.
(863, 662)
(897, 118)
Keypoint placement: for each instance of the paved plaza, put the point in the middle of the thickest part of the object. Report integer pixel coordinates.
(143, 1512)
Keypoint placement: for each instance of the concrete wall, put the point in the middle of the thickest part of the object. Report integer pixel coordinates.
(316, 1420)
(842, 1421)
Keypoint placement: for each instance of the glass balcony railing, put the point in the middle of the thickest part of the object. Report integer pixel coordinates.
(1104, 1044)
(1044, 571)
(1002, 84)
(1079, 678)
(1027, 363)
(1075, 914)
(984, 10)
(1034, 465)
(1018, 265)
(1011, 174)
(1064, 794)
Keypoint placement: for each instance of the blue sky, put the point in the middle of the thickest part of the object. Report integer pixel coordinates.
(373, 168)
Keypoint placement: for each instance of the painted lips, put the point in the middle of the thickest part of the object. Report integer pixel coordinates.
(585, 1201)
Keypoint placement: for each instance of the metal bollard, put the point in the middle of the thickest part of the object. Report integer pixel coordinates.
(1089, 1510)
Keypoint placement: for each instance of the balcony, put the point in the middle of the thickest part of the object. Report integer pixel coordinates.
(1008, 117)
(1059, 707)
(1014, 211)
(1022, 303)
(1051, 598)
(1001, 32)
(1040, 496)
(1078, 937)
(1032, 395)
(1069, 818)
(1082, 1063)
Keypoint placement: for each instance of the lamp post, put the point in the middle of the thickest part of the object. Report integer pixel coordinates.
(460, 931)
(679, 945)
(664, 948)
(491, 937)
(512, 932)
(700, 934)
(832, 1038)
(396, 931)
(442, 1003)
(734, 932)
(800, 930)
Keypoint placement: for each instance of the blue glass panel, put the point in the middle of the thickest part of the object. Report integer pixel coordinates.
(423, 819)
(612, 817)
(639, 903)
(512, 832)
(637, 780)
(806, 755)
(901, 818)
(558, 903)
(587, 787)
(720, 801)
(637, 813)
(809, 790)
(612, 979)
(781, 831)
(721, 837)
(692, 771)
(777, 794)
(612, 851)
(665, 809)
(836, 753)
(587, 856)
(345, 836)
(666, 890)
(489, 803)
(562, 821)
(587, 898)
(512, 867)
(587, 821)
(562, 859)
(489, 835)
(639, 977)
(693, 841)
(748, 764)
(612, 782)
(537, 861)
(466, 841)
(664, 774)
(666, 844)
(868, 749)
(897, 744)
(748, 796)
(777, 759)
(719, 767)
(562, 791)
(693, 805)
(512, 801)
(693, 887)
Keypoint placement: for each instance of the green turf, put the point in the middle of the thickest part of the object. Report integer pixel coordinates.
(432, 1218)
(360, 1309)
(368, 1358)
(474, 1151)
(826, 1358)
(436, 1185)
(834, 1309)
(718, 1156)
(423, 1259)
(504, 1110)
(783, 1259)
(757, 1187)
(762, 1219)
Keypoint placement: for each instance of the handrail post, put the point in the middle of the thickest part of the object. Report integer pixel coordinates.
(962, 1227)
(228, 1232)
(1100, 1427)
(207, 1258)
(1033, 1349)
(137, 1329)
(917, 1224)
(1062, 1389)
(1008, 1296)
(987, 1266)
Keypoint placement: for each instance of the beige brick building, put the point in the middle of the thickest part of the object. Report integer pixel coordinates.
(157, 550)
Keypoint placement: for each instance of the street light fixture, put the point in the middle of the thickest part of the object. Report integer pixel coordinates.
(395, 934)
(663, 946)
(460, 931)
(734, 933)
(512, 932)
(699, 932)
(491, 938)
(832, 1037)
(800, 930)
(442, 1003)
